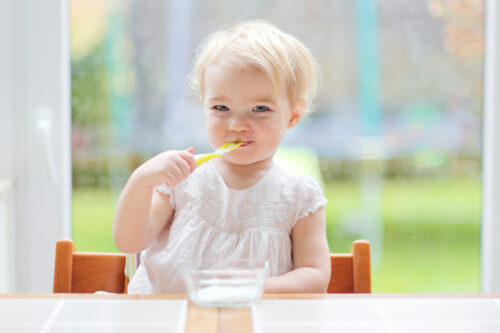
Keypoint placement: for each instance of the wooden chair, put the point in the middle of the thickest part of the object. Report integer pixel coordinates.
(351, 272)
(88, 272)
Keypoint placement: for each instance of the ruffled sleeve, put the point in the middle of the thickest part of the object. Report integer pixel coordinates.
(309, 197)
(167, 190)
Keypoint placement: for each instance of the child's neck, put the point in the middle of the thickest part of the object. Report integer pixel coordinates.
(240, 177)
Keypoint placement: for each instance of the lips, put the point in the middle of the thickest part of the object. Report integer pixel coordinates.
(245, 143)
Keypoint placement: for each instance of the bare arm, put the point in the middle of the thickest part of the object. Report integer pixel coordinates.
(311, 259)
(142, 212)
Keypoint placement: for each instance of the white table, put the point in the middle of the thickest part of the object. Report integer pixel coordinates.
(274, 313)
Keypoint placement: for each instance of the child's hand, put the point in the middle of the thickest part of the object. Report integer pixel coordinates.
(170, 167)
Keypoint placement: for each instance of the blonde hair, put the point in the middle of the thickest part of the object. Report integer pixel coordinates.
(260, 45)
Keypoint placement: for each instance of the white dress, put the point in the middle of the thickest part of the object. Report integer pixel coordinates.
(212, 221)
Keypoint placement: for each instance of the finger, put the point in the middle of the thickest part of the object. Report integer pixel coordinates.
(184, 167)
(170, 179)
(178, 172)
(190, 150)
(189, 159)
(186, 164)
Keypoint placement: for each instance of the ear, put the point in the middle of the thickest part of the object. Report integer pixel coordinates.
(296, 114)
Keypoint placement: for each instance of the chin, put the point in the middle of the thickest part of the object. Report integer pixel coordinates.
(239, 161)
(244, 160)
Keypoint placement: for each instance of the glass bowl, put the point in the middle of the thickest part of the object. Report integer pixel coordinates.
(225, 283)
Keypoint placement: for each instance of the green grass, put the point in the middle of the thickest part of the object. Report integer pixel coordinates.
(93, 211)
(430, 259)
(430, 231)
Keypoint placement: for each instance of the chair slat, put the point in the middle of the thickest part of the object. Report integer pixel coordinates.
(87, 272)
(63, 266)
(98, 272)
(341, 280)
(361, 266)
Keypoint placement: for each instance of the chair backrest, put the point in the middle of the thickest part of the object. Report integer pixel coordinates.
(351, 272)
(85, 272)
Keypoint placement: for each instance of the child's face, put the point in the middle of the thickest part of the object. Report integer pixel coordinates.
(242, 105)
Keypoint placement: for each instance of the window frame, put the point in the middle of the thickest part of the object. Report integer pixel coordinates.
(490, 228)
(36, 110)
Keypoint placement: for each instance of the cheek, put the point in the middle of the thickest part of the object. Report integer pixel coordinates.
(272, 132)
(278, 125)
(212, 123)
(214, 128)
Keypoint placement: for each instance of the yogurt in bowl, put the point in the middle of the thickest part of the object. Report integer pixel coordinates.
(225, 283)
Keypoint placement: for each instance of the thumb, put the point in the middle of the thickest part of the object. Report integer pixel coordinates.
(190, 150)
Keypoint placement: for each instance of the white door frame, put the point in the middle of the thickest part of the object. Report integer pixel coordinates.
(36, 110)
(490, 228)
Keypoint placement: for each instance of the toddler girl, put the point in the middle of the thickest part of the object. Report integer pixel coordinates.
(255, 82)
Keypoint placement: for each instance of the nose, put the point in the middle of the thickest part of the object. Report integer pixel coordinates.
(239, 124)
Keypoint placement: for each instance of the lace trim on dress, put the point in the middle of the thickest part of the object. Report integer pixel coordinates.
(313, 207)
(164, 189)
(167, 190)
(312, 197)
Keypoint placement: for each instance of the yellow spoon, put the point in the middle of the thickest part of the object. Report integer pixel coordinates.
(224, 149)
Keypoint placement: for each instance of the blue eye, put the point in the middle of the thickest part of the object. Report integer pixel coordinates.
(221, 108)
(261, 108)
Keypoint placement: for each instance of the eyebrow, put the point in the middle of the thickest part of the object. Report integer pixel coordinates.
(265, 99)
(215, 98)
(258, 99)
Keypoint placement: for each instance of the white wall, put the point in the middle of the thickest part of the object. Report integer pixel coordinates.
(35, 74)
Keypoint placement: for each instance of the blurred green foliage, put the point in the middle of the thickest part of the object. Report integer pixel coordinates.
(89, 90)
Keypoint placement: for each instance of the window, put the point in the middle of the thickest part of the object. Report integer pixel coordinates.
(395, 140)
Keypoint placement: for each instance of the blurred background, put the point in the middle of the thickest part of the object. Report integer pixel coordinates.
(395, 139)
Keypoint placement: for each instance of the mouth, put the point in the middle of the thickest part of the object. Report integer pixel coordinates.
(245, 144)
